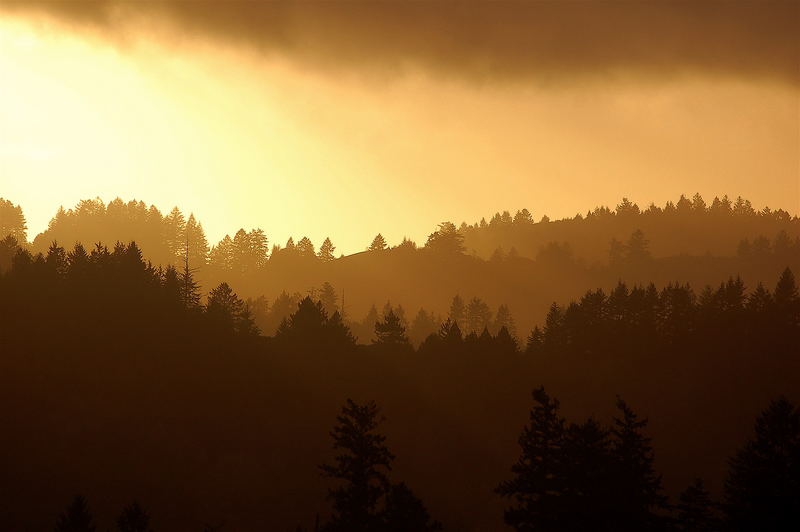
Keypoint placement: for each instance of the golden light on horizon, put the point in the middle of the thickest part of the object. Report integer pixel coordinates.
(249, 140)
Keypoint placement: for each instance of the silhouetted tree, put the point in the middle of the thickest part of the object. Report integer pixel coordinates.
(76, 518)
(366, 500)
(696, 510)
(378, 243)
(424, 325)
(446, 239)
(457, 311)
(229, 312)
(12, 221)
(404, 512)
(390, 332)
(478, 316)
(638, 247)
(326, 251)
(305, 248)
(763, 486)
(328, 298)
(637, 485)
(196, 243)
(361, 467)
(134, 519)
(175, 234)
(538, 480)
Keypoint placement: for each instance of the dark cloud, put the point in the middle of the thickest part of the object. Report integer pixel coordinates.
(485, 40)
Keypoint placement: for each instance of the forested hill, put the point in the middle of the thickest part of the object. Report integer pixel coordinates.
(690, 227)
(506, 271)
(115, 382)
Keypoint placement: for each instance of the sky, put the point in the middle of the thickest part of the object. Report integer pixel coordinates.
(349, 119)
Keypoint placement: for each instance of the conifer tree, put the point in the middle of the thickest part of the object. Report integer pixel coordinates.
(366, 500)
(76, 518)
(196, 243)
(361, 466)
(446, 240)
(763, 485)
(305, 248)
(696, 510)
(175, 234)
(637, 485)
(538, 476)
(12, 221)
(134, 519)
(326, 251)
(457, 313)
(391, 331)
(378, 243)
(328, 298)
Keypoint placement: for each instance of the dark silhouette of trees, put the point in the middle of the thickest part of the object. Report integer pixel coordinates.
(404, 512)
(378, 243)
(583, 476)
(446, 240)
(328, 297)
(310, 325)
(457, 313)
(362, 467)
(423, 325)
(366, 500)
(134, 519)
(538, 480)
(12, 221)
(478, 316)
(637, 487)
(229, 312)
(76, 518)
(696, 511)
(326, 251)
(305, 248)
(763, 486)
(391, 332)
(196, 243)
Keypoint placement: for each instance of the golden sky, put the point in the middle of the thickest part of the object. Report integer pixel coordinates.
(283, 138)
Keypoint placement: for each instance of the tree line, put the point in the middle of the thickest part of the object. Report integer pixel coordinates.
(101, 334)
(570, 476)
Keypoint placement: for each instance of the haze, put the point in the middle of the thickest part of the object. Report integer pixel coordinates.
(302, 143)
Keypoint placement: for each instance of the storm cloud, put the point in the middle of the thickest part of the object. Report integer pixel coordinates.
(480, 41)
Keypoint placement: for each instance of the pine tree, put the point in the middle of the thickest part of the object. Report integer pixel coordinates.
(404, 512)
(504, 319)
(378, 243)
(361, 466)
(12, 221)
(638, 247)
(478, 316)
(763, 486)
(305, 248)
(196, 243)
(328, 298)
(637, 485)
(76, 518)
(226, 309)
(134, 519)
(457, 311)
(326, 251)
(175, 234)
(391, 331)
(538, 482)
(696, 510)
(446, 240)
(189, 288)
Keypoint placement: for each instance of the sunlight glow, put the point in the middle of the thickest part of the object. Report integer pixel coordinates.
(249, 141)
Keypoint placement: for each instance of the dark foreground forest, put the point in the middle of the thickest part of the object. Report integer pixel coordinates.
(120, 382)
